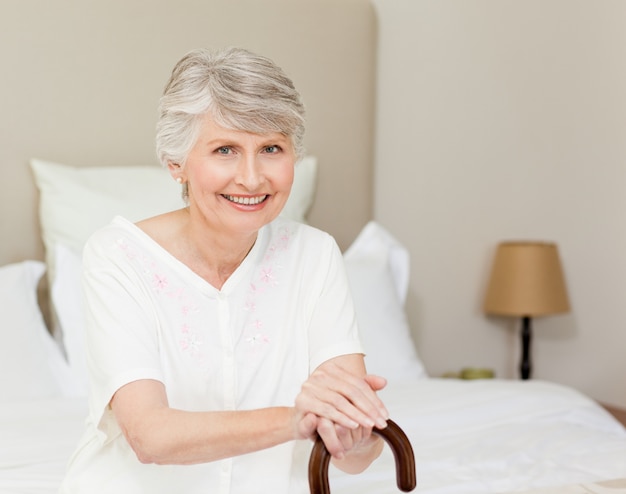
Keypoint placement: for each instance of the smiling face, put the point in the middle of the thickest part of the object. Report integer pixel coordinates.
(237, 181)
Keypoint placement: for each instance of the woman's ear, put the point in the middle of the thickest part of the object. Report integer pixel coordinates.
(176, 171)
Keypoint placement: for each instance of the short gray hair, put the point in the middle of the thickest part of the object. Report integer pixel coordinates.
(239, 89)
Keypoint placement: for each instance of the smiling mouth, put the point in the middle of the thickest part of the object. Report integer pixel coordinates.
(246, 201)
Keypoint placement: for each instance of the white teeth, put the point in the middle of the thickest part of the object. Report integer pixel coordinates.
(246, 200)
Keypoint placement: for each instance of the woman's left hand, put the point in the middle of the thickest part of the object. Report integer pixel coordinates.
(339, 390)
(340, 440)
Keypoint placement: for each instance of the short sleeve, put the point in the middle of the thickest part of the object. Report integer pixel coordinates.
(121, 333)
(333, 329)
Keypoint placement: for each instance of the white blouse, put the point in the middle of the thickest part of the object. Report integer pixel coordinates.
(285, 310)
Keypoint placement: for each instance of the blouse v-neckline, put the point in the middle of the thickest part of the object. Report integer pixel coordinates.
(172, 260)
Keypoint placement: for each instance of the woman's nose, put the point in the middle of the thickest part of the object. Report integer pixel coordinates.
(249, 173)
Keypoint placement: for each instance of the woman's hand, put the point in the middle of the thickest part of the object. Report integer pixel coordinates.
(341, 441)
(339, 391)
(339, 402)
(352, 450)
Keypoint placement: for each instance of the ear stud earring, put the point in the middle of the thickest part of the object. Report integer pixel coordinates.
(179, 180)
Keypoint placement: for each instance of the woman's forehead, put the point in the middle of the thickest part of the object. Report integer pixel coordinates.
(211, 129)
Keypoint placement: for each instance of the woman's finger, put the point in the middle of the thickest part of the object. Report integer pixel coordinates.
(328, 432)
(306, 426)
(331, 406)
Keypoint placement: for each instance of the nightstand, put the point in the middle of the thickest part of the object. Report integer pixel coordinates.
(618, 413)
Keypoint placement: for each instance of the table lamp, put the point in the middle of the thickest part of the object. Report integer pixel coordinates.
(526, 281)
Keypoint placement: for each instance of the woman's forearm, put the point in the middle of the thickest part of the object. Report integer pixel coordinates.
(160, 434)
(169, 436)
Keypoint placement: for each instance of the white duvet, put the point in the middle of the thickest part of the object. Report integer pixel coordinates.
(36, 439)
(482, 437)
(492, 436)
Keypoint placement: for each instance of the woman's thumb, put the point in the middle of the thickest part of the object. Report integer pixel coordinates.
(376, 382)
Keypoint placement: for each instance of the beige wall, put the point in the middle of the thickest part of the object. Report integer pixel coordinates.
(506, 119)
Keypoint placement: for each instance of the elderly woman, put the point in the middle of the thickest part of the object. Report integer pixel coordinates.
(221, 337)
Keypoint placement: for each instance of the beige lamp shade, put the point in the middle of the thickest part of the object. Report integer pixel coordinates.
(526, 280)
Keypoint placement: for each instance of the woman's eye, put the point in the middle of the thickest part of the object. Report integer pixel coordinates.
(272, 149)
(223, 150)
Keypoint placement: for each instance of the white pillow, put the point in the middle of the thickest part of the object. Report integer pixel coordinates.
(76, 201)
(67, 299)
(377, 266)
(31, 363)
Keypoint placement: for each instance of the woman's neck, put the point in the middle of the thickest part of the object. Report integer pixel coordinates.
(215, 255)
(212, 255)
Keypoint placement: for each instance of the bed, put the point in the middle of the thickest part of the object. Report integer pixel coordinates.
(468, 436)
(78, 121)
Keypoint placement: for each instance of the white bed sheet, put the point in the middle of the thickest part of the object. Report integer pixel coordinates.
(494, 436)
(468, 437)
(36, 439)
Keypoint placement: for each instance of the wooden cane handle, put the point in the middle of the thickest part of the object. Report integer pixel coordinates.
(393, 435)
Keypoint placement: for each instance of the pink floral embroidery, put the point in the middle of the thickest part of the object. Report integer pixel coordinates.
(188, 309)
(267, 278)
(282, 243)
(159, 282)
(124, 247)
(177, 293)
(267, 275)
(192, 343)
(257, 339)
(249, 306)
(190, 340)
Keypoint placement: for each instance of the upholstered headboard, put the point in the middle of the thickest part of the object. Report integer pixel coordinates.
(81, 82)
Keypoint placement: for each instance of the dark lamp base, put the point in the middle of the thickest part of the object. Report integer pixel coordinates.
(525, 368)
